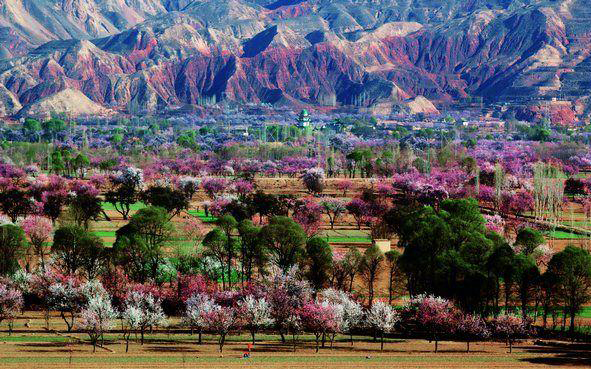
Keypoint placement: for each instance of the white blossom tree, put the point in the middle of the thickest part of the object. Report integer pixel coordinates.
(349, 312)
(144, 311)
(67, 298)
(382, 318)
(97, 317)
(11, 302)
(256, 313)
(197, 307)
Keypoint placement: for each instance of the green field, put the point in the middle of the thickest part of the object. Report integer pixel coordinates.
(135, 207)
(201, 215)
(562, 235)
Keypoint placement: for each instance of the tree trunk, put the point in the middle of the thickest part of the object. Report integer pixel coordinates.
(317, 344)
(382, 344)
(572, 323)
(222, 341)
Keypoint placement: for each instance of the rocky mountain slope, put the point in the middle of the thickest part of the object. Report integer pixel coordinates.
(138, 55)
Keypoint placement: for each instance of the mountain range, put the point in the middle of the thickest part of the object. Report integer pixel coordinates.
(98, 56)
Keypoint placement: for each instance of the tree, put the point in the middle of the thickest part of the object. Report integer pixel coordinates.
(52, 127)
(53, 203)
(189, 186)
(215, 243)
(526, 275)
(84, 207)
(256, 314)
(220, 320)
(143, 311)
(572, 270)
(445, 250)
(528, 240)
(228, 224)
(214, 186)
(76, 248)
(319, 319)
(286, 295)
(435, 315)
(139, 244)
(126, 190)
(319, 258)
(80, 163)
(351, 310)
(313, 179)
(344, 185)
(392, 257)
(264, 204)
(285, 240)
(97, 318)
(501, 266)
(371, 265)
(252, 251)
(308, 214)
(66, 297)
(352, 264)
(15, 203)
(13, 246)
(334, 208)
(197, 308)
(32, 127)
(382, 318)
(11, 303)
(510, 327)
(39, 230)
(472, 328)
(360, 210)
(172, 200)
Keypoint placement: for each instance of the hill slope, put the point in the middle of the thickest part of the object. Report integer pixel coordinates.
(147, 54)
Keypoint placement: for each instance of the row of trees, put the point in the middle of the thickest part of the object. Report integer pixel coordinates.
(285, 304)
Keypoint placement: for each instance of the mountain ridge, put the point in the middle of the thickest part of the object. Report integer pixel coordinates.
(318, 52)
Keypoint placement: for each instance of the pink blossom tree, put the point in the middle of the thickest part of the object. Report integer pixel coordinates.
(472, 328)
(39, 230)
(243, 187)
(344, 185)
(360, 210)
(221, 319)
(510, 327)
(213, 187)
(308, 214)
(435, 315)
(319, 319)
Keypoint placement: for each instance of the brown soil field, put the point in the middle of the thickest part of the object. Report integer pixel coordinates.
(36, 347)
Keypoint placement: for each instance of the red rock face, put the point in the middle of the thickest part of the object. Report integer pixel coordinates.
(181, 59)
(560, 113)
